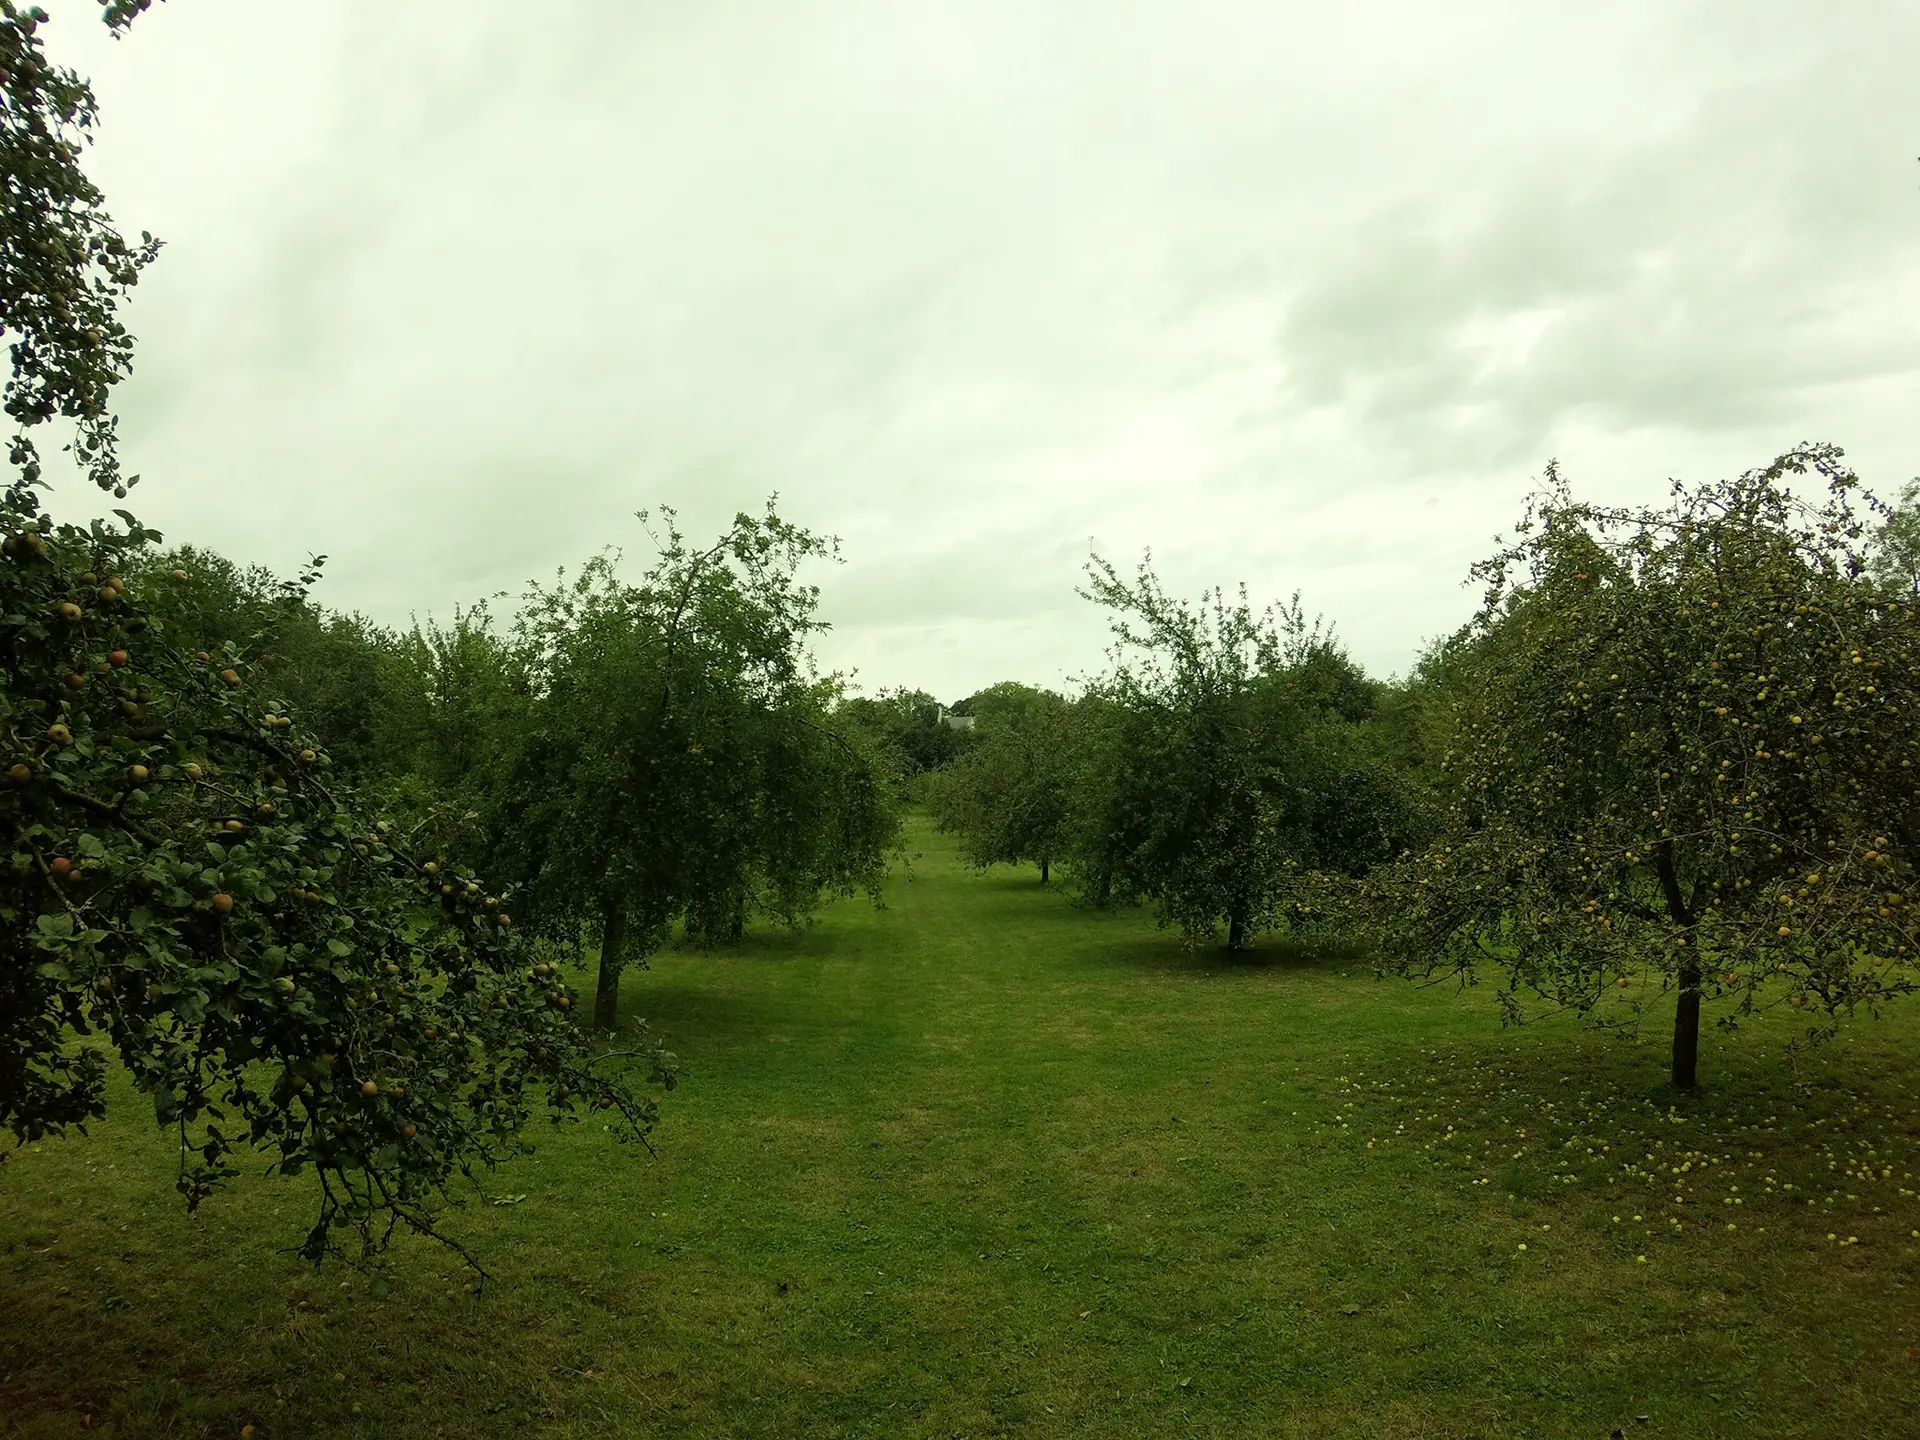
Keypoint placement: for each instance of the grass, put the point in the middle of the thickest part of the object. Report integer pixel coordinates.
(981, 1163)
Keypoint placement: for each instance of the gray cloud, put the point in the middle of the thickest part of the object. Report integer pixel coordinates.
(1301, 298)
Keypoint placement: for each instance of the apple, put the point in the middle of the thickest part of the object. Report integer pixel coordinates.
(20, 773)
(59, 734)
(67, 611)
(232, 677)
(117, 658)
(137, 774)
(307, 757)
(369, 1088)
(179, 574)
(407, 1132)
(76, 681)
(236, 826)
(61, 864)
(223, 903)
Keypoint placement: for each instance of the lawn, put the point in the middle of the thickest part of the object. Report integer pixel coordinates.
(982, 1163)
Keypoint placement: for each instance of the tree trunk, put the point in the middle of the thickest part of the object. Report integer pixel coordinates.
(1686, 1027)
(1043, 871)
(1236, 931)
(613, 941)
(737, 922)
(1686, 1019)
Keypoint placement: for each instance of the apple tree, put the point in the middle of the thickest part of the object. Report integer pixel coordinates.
(1683, 763)
(1009, 794)
(1234, 764)
(188, 885)
(676, 760)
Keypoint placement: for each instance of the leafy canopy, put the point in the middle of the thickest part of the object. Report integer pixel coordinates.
(1236, 765)
(1683, 757)
(1009, 794)
(675, 759)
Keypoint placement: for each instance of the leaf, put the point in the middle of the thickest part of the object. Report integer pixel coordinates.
(1349, 1309)
(339, 948)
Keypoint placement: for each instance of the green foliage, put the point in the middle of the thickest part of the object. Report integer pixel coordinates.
(273, 962)
(1684, 757)
(66, 267)
(904, 726)
(674, 758)
(356, 683)
(1894, 558)
(1235, 766)
(1009, 794)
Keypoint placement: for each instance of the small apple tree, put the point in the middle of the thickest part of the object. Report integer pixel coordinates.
(1234, 769)
(1008, 795)
(675, 759)
(1683, 757)
(187, 885)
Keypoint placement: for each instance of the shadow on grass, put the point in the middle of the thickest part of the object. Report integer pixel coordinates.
(1273, 953)
(676, 1012)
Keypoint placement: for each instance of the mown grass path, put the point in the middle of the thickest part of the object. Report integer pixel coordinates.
(981, 1163)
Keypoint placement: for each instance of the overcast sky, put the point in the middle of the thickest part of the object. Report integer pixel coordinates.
(1298, 295)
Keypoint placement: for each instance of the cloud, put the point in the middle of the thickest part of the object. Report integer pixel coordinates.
(1302, 297)
(1707, 275)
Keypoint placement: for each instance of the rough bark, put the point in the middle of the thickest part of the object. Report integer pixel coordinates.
(1043, 871)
